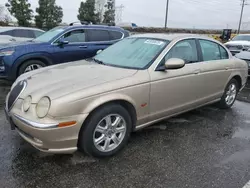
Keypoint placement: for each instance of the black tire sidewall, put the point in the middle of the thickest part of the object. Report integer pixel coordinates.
(85, 141)
(28, 63)
(223, 103)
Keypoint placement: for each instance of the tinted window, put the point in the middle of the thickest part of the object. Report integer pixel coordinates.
(185, 50)
(7, 33)
(75, 36)
(98, 35)
(223, 52)
(23, 33)
(37, 33)
(115, 35)
(210, 50)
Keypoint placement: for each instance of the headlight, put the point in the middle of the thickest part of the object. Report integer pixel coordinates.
(6, 52)
(42, 107)
(26, 103)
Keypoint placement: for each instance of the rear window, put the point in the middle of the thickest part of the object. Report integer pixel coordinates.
(95, 35)
(115, 35)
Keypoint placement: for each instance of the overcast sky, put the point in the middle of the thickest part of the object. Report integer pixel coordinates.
(182, 13)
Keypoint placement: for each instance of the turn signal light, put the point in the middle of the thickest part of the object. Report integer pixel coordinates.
(66, 124)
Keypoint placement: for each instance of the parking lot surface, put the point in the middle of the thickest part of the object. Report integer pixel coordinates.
(206, 148)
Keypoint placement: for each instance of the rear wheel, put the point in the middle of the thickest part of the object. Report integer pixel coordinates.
(30, 66)
(106, 131)
(230, 94)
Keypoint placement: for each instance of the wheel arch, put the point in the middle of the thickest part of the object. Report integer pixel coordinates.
(45, 58)
(128, 104)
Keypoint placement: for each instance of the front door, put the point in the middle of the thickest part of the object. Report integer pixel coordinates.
(76, 49)
(174, 91)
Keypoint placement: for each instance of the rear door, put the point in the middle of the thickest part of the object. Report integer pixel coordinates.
(98, 39)
(216, 67)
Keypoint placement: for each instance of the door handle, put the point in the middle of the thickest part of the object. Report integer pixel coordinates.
(83, 46)
(197, 71)
(226, 68)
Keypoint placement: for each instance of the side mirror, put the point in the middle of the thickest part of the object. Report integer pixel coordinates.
(99, 51)
(174, 63)
(61, 41)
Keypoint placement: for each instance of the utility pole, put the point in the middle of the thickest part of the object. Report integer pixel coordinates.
(166, 18)
(241, 14)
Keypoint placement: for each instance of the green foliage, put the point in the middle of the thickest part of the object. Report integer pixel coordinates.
(48, 15)
(87, 12)
(21, 10)
(109, 15)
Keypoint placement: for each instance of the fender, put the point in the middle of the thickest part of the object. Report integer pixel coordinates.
(41, 55)
(106, 99)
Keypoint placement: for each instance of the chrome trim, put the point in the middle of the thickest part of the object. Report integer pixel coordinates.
(52, 43)
(24, 87)
(170, 46)
(35, 124)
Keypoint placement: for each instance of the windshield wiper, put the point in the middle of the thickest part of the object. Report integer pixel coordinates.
(98, 61)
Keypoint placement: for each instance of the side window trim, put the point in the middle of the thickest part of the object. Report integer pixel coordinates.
(199, 51)
(219, 46)
(54, 42)
(85, 29)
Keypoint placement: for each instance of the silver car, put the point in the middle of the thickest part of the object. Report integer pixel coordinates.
(94, 105)
(18, 34)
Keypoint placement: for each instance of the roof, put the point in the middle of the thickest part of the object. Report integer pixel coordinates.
(95, 26)
(6, 28)
(170, 36)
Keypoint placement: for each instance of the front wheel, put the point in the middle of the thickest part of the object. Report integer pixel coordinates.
(230, 94)
(106, 131)
(30, 66)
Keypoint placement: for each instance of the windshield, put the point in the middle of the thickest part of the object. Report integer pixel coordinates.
(47, 36)
(135, 53)
(242, 37)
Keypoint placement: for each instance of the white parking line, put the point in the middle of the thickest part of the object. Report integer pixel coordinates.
(247, 185)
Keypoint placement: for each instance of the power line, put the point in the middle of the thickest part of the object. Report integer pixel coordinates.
(166, 18)
(241, 14)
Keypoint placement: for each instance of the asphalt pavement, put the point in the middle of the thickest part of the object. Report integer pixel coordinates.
(207, 147)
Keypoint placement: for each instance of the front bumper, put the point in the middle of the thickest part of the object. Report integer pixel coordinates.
(47, 137)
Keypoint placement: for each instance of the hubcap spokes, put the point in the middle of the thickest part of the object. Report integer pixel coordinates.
(231, 94)
(109, 133)
(32, 67)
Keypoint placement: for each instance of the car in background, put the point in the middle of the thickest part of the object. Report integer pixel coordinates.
(239, 43)
(59, 45)
(245, 55)
(17, 34)
(93, 105)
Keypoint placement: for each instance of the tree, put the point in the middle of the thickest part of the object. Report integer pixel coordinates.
(21, 10)
(4, 17)
(87, 12)
(49, 15)
(109, 14)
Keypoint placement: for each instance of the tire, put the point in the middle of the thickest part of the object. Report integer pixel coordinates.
(225, 103)
(101, 116)
(36, 64)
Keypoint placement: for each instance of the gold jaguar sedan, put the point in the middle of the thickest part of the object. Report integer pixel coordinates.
(94, 105)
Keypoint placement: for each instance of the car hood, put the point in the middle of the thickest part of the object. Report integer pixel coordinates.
(57, 81)
(4, 44)
(247, 43)
(243, 55)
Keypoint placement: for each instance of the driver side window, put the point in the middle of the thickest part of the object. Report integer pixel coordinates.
(75, 36)
(185, 50)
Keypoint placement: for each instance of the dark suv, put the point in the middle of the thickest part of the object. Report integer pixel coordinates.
(59, 45)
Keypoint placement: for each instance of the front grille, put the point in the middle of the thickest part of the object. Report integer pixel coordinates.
(15, 93)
